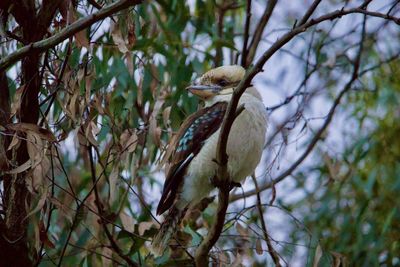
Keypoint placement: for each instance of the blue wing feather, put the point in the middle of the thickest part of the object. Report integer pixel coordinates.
(193, 133)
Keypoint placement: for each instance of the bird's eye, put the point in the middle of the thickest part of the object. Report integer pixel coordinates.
(223, 83)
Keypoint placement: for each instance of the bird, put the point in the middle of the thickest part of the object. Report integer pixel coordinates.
(192, 162)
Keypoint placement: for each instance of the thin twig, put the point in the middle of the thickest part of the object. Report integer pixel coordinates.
(272, 252)
(113, 244)
(318, 135)
(309, 12)
(222, 158)
(246, 33)
(251, 50)
(65, 33)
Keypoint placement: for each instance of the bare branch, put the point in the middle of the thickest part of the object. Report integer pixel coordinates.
(65, 33)
(114, 245)
(309, 12)
(246, 33)
(222, 159)
(271, 250)
(259, 31)
(318, 135)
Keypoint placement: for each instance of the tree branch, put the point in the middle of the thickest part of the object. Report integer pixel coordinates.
(113, 244)
(318, 135)
(201, 257)
(246, 34)
(272, 252)
(309, 12)
(65, 33)
(251, 51)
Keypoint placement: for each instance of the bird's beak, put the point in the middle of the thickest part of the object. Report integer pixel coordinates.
(204, 91)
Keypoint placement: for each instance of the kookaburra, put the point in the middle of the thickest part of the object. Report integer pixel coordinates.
(192, 162)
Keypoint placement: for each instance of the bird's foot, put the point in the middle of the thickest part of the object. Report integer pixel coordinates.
(220, 184)
(233, 185)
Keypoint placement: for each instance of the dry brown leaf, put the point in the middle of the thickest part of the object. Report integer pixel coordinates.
(143, 226)
(113, 179)
(80, 37)
(128, 141)
(90, 132)
(154, 80)
(132, 143)
(26, 127)
(35, 148)
(129, 64)
(338, 259)
(118, 38)
(131, 34)
(169, 151)
(154, 130)
(43, 236)
(139, 97)
(14, 142)
(166, 114)
(42, 192)
(71, 107)
(127, 222)
(238, 260)
(95, 128)
(106, 257)
(16, 104)
(39, 173)
(88, 85)
(21, 168)
(97, 103)
(317, 256)
(242, 231)
(62, 208)
(223, 258)
(259, 249)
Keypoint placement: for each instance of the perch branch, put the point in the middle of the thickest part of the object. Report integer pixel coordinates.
(65, 33)
(201, 257)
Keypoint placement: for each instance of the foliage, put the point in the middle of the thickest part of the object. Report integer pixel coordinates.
(110, 98)
(356, 214)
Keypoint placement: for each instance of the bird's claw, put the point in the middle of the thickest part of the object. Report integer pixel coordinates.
(219, 184)
(233, 185)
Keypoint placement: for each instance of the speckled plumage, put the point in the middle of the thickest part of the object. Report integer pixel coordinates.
(193, 166)
(244, 148)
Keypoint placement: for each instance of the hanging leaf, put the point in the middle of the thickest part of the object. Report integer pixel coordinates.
(26, 127)
(23, 167)
(14, 142)
(259, 249)
(42, 193)
(127, 222)
(44, 237)
(317, 256)
(112, 180)
(118, 38)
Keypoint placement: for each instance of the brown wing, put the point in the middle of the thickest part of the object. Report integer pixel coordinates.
(188, 142)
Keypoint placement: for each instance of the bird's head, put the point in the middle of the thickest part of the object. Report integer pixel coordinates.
(219, 81)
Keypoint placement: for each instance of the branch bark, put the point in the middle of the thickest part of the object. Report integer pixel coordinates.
(318, 135)
(246, 34)
(201, 257)
(251, 51)
(65, 33)
(272, 252)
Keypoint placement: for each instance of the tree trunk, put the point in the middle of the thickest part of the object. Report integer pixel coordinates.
(14, 248)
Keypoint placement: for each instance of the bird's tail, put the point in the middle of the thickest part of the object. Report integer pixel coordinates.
(167, 229)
